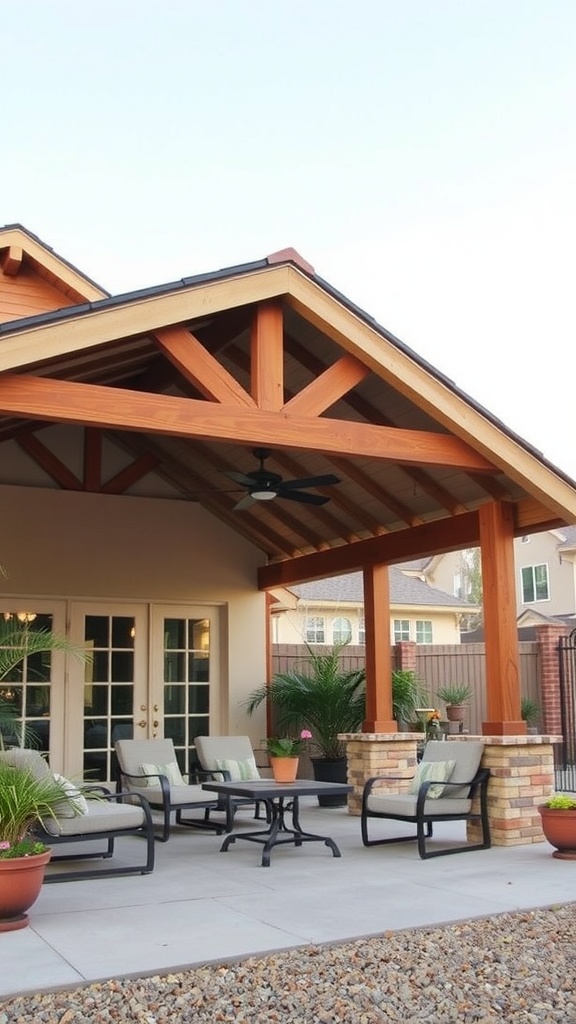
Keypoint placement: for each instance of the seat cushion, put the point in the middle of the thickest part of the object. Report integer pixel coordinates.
(179, 795)
(466, 753)
(240, 771)
(405, 804)
(31, 760)
(431, 771)
(102, 816)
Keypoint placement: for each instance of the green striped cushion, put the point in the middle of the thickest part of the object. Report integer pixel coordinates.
(240, 771)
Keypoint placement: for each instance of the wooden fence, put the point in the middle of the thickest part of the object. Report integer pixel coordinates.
(437, 665)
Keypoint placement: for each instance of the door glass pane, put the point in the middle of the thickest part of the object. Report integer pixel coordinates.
(186, 662)
(25, 690)
(108, 692)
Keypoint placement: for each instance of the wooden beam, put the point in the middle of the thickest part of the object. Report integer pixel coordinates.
(267, 356)
(89, 404)
(12, 260)
(496, 521)
(200, 368)
(49, 462)
(379, 715)
(92, 459)
(450, 534)
(328, 388)
(130, 475)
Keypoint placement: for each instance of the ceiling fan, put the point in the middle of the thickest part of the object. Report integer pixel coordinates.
(262, 485)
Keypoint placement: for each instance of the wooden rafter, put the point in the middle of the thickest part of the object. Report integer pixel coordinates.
(335, 382)
(66, 402)
(11, 260)
(49, 462)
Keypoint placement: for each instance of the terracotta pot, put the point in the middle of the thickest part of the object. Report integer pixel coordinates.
(559, 827)
(20, 883)
(284, 769)
(455, 712)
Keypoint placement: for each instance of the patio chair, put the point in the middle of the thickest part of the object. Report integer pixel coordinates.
(231, 759)
(97, 816)
(150, 768)
(447, 778)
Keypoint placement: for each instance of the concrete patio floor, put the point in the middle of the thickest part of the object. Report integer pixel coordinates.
(201, 905)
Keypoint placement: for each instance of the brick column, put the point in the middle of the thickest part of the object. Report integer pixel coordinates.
(404, 655)
(522, 776)
(548, 637)
(378, 754)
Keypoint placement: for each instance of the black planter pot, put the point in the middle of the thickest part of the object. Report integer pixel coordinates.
(331, 770)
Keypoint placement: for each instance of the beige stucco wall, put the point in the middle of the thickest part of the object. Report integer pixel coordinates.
(289, 626)
(75, 545)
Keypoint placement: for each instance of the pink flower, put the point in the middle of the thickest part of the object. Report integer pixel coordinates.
(305, 734)
(5, 845)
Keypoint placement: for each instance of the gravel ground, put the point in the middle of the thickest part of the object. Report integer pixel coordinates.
(512, 967)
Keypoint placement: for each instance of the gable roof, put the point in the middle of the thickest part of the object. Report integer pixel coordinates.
(186, 378)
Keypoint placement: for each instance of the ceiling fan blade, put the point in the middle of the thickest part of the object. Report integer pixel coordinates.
(239, 478)
(244, 502)
(312, 481)
(302, 496)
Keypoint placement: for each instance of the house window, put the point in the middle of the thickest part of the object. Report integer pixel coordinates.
(535, 583)
(362, 631)
(315, 632)
(457, 585)
(401, 630)
(341, 631)
(423, 631)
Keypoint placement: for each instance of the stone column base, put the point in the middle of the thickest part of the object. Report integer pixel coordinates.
(522, 776)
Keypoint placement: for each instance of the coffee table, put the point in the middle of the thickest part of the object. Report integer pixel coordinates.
(280, 798)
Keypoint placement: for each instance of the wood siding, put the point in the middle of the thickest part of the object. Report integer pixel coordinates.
(26, 294)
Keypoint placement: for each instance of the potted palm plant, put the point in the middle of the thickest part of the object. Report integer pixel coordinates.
(25, 800)
(327, 700)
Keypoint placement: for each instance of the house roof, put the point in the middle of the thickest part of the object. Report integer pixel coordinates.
(186, 378)
(404, 590)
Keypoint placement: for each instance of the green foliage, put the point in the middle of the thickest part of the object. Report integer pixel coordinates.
(25, 848)
(561, 802)
(17, 642)
(325, 698)
(456, 693)
(529, 710)
(408, 693)
(24, 801)
(283, 747)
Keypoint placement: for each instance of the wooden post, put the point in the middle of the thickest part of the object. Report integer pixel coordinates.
(378, 651)
(500, 629)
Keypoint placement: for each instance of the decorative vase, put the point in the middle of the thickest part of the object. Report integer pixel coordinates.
(20, 883)
(284, 769)
(559, 828)
(327, 769)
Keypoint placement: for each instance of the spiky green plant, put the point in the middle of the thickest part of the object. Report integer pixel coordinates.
(24, 801)
(325, 698)
(408, 693)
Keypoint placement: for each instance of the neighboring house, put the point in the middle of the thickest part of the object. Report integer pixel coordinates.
(332, 611)
(125, 424)
(545, 572)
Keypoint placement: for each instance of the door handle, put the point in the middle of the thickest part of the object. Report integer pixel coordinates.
(155, 724)
(143, 707)
(142, 723)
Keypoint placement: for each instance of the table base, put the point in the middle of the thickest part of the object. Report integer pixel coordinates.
(278, 833)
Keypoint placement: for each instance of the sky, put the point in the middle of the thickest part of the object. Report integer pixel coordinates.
(420, 154)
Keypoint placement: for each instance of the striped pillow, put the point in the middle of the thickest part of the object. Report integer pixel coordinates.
(240, 771)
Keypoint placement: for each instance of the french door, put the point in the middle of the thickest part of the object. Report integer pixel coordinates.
(154, 671)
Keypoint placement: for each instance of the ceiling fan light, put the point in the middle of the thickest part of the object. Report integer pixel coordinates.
(263, 495)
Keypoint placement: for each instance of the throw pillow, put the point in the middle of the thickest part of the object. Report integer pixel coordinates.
(170, 770)
(240, 771)
(75, 804)
(432, 771)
